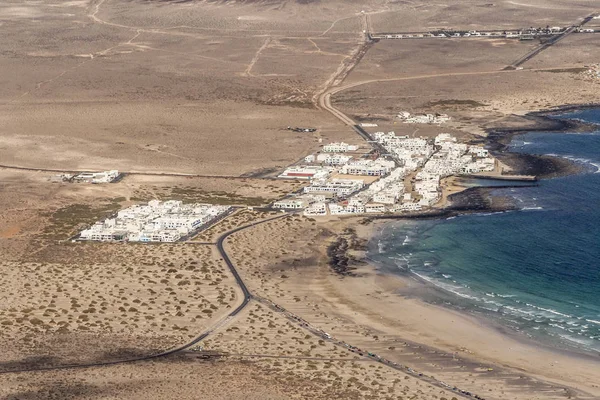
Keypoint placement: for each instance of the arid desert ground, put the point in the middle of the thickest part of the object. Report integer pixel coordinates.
(191, 100)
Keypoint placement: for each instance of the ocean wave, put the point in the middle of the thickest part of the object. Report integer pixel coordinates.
(523, 316)
(585, 161)
(551, 311)
(488, 214)
(449, 288)
(578, 340)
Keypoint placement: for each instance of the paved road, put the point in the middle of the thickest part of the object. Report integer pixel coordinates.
(247, 297)
(188, 345)
(551, 42)
(540, 48)
(140, 173)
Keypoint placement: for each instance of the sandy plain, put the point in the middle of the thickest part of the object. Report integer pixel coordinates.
(208, 88)
(153, 91)
(479, 14)
(378, 311)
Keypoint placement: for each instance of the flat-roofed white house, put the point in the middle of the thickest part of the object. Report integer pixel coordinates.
(316, 209)
(339, 147)
(339, 187)
(290, 204)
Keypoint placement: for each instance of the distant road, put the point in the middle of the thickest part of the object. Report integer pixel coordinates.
(325, 98)
(540, 48)
(139, 173)
(551, 42)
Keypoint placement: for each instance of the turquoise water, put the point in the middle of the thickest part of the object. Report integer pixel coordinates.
(536, 270)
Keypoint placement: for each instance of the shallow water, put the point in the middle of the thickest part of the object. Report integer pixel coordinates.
(536, 270)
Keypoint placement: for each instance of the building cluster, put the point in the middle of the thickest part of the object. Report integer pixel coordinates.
(449, 158)
(334, 188)
(301, 129)
(88, 177)
(167, 221)
(320, 166)
(410, 181)
(299, 202)
(368, 167)
(407, 118)
(306, 172)
(547, 31)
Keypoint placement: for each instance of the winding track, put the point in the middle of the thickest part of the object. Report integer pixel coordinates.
(246, 299)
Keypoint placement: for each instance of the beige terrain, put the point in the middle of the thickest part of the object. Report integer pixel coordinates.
(377, 311)
(153, 91)
(192, 100)
(480, 14)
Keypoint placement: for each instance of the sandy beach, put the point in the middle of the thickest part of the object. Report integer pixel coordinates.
(380, 312)
(208, 102)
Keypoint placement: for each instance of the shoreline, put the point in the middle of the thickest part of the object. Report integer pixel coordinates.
(435, 296)
(480, 199)
(499, 138)
(410, 289)
(437, 339)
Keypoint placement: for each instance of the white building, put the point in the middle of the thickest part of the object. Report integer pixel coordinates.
(290, 204)
(377, 167)
(339, 147)
(374, 208)
(97, 177)
(407, 118)
(298, 202)
(336, 209)
(478, 151)
(385, 197)
(333, 158)
(316, 209)
(158, 221)
(339, 187)
(305, 173)
(309, 159)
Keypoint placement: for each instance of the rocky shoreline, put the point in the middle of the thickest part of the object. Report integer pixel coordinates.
(541, 166)
(481, 199)
(342, 253)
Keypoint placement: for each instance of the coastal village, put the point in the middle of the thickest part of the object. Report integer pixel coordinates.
(401, 174)
(302, 199)
(398, 174)
(390, 174)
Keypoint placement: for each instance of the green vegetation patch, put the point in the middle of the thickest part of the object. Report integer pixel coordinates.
(576, 70)
(197, 195)
(455, 103)
(68, 220)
